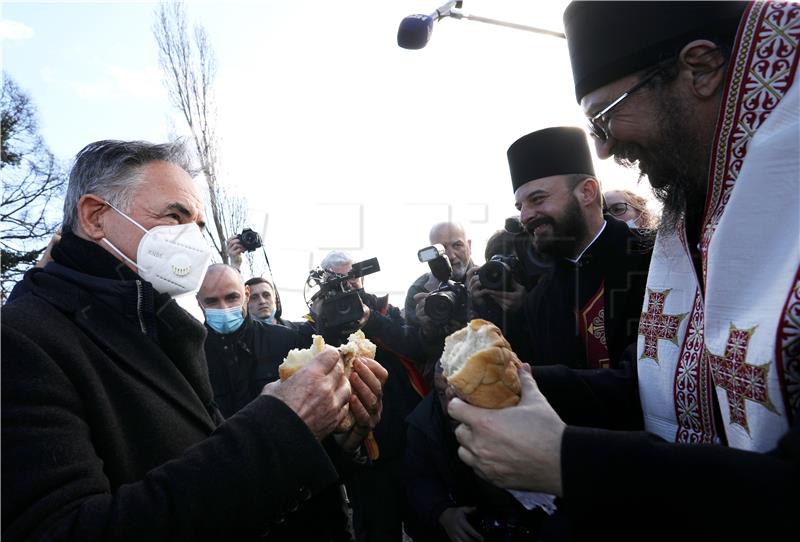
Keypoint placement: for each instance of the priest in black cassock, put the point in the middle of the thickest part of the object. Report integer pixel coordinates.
(585, 311)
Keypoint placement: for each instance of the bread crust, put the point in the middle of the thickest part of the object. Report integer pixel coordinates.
(488, 378)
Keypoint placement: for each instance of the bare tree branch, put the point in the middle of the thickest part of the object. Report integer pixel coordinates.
(189, 68)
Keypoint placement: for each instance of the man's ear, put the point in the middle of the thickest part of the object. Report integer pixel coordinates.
(91, 209)
(588, 191)
(246, 295)
(704, 63)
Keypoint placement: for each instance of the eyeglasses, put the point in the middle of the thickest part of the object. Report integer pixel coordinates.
(598, 124)
(619, 209)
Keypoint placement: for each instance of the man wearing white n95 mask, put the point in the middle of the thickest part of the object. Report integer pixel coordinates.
(109, 427)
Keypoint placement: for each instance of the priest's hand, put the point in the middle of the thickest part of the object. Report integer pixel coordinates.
(317, 393)
(458, 528)
(366, 403)
(517, 447)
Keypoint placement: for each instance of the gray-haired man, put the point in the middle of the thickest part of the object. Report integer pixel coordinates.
(109, 428)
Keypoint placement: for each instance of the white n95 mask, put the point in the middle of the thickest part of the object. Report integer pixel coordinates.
(173, 259)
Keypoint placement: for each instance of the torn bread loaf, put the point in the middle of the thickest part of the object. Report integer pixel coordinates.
(480, 365)
(357, 346)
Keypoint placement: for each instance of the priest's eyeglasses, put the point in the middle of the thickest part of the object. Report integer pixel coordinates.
(598, 124)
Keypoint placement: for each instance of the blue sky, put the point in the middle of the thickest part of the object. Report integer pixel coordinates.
(337, 137)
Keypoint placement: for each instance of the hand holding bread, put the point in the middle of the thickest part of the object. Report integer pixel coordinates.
(318, 393)
(481, 367)
(357, 346)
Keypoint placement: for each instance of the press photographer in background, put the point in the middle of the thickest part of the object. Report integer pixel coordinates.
(340, 307)
(513, 267)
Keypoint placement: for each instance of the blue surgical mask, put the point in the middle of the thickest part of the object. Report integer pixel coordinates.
(268, 320)
(224, 321)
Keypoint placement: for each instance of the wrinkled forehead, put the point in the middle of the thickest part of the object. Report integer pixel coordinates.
(447, 235)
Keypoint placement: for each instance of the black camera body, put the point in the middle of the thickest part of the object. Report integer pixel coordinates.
(337, 306)
(249, 239)
(501, 272)
(449, 301)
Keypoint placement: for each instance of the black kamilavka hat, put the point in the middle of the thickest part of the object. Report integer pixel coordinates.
(552, 151)
(609, 40)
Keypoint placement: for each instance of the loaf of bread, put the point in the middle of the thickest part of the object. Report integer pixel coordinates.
(357, 346)
(481, 367)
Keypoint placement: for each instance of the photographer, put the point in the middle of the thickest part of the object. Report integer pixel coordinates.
(426, 335)
(458, 249)
(498, 288)
(377, 494)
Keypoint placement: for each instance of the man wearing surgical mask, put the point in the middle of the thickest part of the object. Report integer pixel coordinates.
(109, 420)
(243, 354)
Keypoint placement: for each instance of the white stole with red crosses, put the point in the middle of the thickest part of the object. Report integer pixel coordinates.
(742, 340)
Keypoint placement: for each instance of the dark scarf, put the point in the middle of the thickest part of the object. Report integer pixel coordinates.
(108, 279)
(179, 335)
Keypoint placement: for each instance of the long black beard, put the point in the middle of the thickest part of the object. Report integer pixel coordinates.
(677, 168)
(568, 231)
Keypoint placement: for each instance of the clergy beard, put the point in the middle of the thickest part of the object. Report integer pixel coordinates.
(567, 231)
(677, 168)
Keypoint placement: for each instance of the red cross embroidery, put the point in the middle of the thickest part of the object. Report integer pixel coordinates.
(740, 380)
(655, 325)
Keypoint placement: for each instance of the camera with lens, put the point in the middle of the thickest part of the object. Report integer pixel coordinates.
(249, 239)
(337, 305)
(448, 301)
(501, 272)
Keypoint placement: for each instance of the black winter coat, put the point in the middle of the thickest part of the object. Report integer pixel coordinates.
(241, 363)
(108, 430)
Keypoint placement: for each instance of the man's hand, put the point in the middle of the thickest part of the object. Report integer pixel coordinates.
(366, 403)
(235, 250)
(517, 447)
(458, 529)
(317, 392)
(508, 301)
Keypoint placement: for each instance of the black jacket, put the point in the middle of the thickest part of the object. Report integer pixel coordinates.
(437, 479)
(668, 491)
(241, 363)
(108, 428)
(551, 330)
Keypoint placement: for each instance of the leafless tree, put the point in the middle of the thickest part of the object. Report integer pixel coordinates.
(33, 185)
(189, 67)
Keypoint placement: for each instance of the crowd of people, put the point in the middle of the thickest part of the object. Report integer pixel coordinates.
(661, 368)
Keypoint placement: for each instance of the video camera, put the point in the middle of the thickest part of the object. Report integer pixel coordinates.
(249, 239)
(449, 301)
(337, 305)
